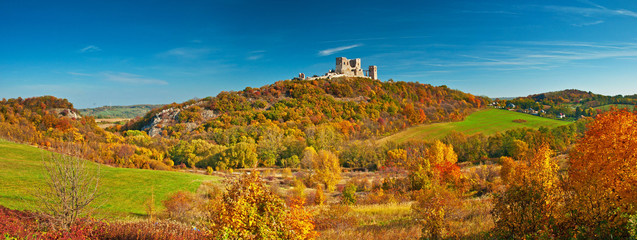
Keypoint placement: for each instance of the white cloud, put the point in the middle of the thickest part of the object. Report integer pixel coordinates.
(598, 10)
(255, 57)
(90, 48)
(518, 56)
(587, 23)
(80, 74)
(129, 78)
(331, 51)
(185, 52)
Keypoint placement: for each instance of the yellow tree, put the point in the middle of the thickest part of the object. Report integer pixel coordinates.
(326, 169)
(249, 210)
(603, 176)
(530, 206)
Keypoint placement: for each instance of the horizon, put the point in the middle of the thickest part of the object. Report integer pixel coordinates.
(122, 53)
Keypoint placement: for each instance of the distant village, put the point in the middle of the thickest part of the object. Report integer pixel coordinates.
(346, 68)
(512, 107)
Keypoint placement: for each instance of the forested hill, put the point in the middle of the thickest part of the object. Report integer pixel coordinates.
(356, 107)
(574, 96)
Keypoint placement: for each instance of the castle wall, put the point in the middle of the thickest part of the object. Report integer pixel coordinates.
(347, 68)
(373, 72)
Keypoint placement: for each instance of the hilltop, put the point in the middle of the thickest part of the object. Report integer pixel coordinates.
(357, 107)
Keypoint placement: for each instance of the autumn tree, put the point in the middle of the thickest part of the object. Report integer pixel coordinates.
(249, 210)
(326, 169)
(270, 146)
(433, 209)
(603, 176)
(530, 204)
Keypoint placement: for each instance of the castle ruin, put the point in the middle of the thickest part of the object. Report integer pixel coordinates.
(347, 68)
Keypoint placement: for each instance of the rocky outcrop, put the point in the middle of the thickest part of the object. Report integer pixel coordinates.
(163, 118)
(67, 113)
(170, 116)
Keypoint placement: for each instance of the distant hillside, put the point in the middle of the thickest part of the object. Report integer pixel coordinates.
(119, 111)
(570, 103)
(487, 122)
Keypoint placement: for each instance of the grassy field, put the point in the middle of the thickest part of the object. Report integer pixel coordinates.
(619, 106)
(488, 122)
(123, 190)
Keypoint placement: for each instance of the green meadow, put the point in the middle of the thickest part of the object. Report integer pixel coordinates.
(487, 122)
(608, 107)
(123, 191)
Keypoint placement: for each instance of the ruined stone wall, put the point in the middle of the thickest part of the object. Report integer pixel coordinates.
(373, 72)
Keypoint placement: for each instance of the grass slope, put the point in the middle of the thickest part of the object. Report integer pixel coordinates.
(123, 190)
(607, 107)
(488, 122)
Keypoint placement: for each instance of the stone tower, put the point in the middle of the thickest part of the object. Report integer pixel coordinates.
(350, 67)
(342, 65)
(373, 72)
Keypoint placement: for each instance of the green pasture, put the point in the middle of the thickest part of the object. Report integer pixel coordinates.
(608, 107)
(123, 191)
(487, 122)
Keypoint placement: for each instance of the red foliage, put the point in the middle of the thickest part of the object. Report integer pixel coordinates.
(27, 225)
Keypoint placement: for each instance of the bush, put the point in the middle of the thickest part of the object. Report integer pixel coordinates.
(249, 210)
(182, 206)
(349, 195)
(16, 224)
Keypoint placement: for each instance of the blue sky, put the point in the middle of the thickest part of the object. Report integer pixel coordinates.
(97, 53)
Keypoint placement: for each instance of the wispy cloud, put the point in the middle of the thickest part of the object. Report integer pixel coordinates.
(489, 12)
(80, 74)
(129, 78)
(187, 53)
(331, 51)
(256, 55)
(587, 23)
(374, 38)
(513, 56)
(596, 10)
(90, 48)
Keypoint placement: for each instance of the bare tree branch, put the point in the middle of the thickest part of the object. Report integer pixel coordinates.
(71, 186)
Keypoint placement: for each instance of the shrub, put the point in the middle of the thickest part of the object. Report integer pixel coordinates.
(348, 196)
(319, 195)
(432, 210)
(182, 206)
(249, 210)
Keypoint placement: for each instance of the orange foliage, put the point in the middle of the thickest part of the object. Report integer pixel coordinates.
(603, 175)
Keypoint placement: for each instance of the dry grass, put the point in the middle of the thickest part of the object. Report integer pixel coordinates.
(383, 221)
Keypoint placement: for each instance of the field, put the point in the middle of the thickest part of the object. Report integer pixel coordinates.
(108, 122)
(488, 122)
(123, 190)
(118, 111)
(619, 106)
